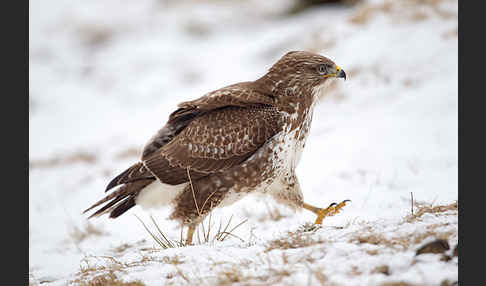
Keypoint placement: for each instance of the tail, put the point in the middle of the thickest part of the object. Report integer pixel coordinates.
(134, 179)
(136, 172)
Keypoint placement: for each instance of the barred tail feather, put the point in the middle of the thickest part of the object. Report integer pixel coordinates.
(120, 200)
(132, 174)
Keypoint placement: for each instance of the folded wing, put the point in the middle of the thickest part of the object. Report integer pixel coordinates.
(213, 142)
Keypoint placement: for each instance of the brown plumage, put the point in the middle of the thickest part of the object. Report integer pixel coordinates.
(238, 139)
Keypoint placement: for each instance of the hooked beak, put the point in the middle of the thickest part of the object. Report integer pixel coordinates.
(340, 73)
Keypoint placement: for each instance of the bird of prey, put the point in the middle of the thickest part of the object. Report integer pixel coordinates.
(242, 138)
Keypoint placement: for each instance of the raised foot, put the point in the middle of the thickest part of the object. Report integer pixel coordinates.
(329, 211)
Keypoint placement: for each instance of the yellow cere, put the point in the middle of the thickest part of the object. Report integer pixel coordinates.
(338, 69)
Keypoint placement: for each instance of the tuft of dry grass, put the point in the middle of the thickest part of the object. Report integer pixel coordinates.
(379, 239)
(321, 277)
(108, 278)
(101, 274)
(230, 276)
(234, 275)
(59, 160)
(372, 251)
(296, 239)
(383, 269)
(228, 273)
(222, 233)
(367, 11)
(354, 271)
(449, 283)
(436, 209)
(204, 231)
(105, 269)
(122, 248)
(128, 153)
(398, 283)
(78, 235)
(128, 247)
(160, 237)
(430, 209)
(408, 10)
(402, 242)
(303, 236)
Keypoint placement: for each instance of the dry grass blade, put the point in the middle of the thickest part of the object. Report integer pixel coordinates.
(205, 234)
(231, 231)
(193, 193)
(151, 234)
(218, 236)
(181, 241)
(234, 235)
(219, 228)
(203, 230)
(422, 209)
(222, 235)
(161, 233)
(198, 237)
(204, 204)
(163, 241)
(209, 227)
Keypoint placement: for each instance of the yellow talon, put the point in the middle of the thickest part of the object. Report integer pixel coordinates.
(329, 211)
(337, 208)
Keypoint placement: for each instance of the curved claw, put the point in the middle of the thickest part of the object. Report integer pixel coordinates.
(329, 211)
(341, 204)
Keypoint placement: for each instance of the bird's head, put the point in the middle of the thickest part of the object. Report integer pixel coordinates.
(302, 74)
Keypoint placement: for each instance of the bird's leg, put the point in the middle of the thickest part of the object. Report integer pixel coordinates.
(190, 233)
(329, 211)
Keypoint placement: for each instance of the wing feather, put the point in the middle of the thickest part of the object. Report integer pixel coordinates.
(134, 173)
(212, 133)
(216, 141)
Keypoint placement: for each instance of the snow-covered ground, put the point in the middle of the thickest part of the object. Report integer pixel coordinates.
(104, 75)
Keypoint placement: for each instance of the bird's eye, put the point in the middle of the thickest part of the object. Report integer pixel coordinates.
(322, 69)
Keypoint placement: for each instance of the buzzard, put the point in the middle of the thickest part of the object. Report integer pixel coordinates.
(242, 138)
